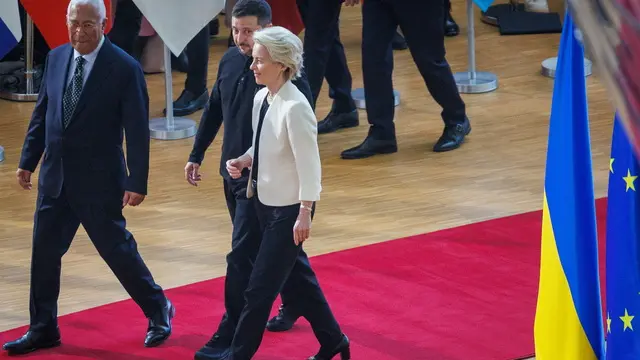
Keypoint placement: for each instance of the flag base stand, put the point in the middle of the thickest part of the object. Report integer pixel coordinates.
(358, 98)
(170, 127)
(26, 91)
(182, 128)
(472, 81)
(475, 82)
(548, 67)
(1, 154)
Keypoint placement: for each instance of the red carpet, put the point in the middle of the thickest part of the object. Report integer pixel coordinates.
(462, 293)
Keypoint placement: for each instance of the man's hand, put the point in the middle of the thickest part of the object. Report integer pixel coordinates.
(351, 2)
(132, 199)
(192, 173)
(24, 178)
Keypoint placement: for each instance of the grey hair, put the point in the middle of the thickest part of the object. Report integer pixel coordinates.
(97, 4)
(284, 47)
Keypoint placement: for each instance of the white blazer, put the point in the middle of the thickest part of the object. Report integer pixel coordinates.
(289, 164)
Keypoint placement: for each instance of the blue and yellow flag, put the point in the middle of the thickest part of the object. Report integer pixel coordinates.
(623, 244)
(569, 322)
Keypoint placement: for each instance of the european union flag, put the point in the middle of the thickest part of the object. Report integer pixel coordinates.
(623, 246)
(568, 323)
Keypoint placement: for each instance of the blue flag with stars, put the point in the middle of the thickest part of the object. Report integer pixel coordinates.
(623, 250)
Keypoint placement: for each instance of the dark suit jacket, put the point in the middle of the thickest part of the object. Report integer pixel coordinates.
(87, 157)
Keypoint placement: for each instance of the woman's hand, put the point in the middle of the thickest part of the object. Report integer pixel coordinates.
(235, 166)
(302, 228)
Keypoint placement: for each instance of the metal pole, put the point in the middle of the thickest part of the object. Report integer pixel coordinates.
(472, 81)
(170, 127)
(30, 93)
(1, 154)
(471, 40)
(548, 66)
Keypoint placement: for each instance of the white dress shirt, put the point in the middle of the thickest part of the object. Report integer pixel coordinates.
(90, 59)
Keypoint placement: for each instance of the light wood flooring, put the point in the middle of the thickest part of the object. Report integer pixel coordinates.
(184, 232)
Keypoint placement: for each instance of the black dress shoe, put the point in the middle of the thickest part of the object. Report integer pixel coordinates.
(188, 103)
(370, 147)
(450, 26)
(159, 328)
(283, 321)
(398, 42)
(215, 349)
(32, 341)
(343, 348)
(452, 136)
(336, 121)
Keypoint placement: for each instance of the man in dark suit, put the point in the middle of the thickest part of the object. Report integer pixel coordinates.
(91, 91)
(231, 104)
(421, 23)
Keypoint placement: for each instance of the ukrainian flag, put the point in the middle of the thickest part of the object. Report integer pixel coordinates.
(569, 322)
(623, 245)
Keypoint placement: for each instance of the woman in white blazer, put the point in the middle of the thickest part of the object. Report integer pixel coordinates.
(285, 182)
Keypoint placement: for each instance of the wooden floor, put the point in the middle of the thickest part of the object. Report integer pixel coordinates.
(184, 232)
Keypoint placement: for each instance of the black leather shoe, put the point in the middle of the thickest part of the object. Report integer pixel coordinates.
(450, 26)
(159, 328)
(32, 341)
(188, 103)
(398, 42)
(283, 321)
(370, 147)
(214, 349)
(336, 121)
(452, 136)
(343, 348)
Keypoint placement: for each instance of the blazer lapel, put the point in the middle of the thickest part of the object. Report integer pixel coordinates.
(99, 72)
(61, 77)
(257, 105)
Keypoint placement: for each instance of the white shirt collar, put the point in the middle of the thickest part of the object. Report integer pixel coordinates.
(90, 57)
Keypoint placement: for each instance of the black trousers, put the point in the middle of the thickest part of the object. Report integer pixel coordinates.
(324, 55)
(197, 52)
(126, 26)
(124, 34)
(280, 260)
(421, 23)
(245, 244)
(56, 223)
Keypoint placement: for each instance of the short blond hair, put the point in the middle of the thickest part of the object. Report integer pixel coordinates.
(284, 47)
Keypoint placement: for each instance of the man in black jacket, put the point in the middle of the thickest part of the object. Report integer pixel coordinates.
(231, 103)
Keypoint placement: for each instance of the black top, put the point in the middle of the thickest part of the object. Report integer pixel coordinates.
(231, 102)
(256, 148)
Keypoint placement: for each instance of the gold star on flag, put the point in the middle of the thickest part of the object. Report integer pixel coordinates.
(626, 319)
(629, 181)
(608, 323)
(611, 165)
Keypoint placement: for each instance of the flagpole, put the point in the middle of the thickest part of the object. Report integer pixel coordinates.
(170, 127)
(472, 81)
(28, 85)
(548, 66)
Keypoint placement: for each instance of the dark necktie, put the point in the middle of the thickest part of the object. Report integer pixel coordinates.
(72, 94)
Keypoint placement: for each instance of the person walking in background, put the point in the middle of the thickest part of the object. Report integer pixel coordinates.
(422, 25)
